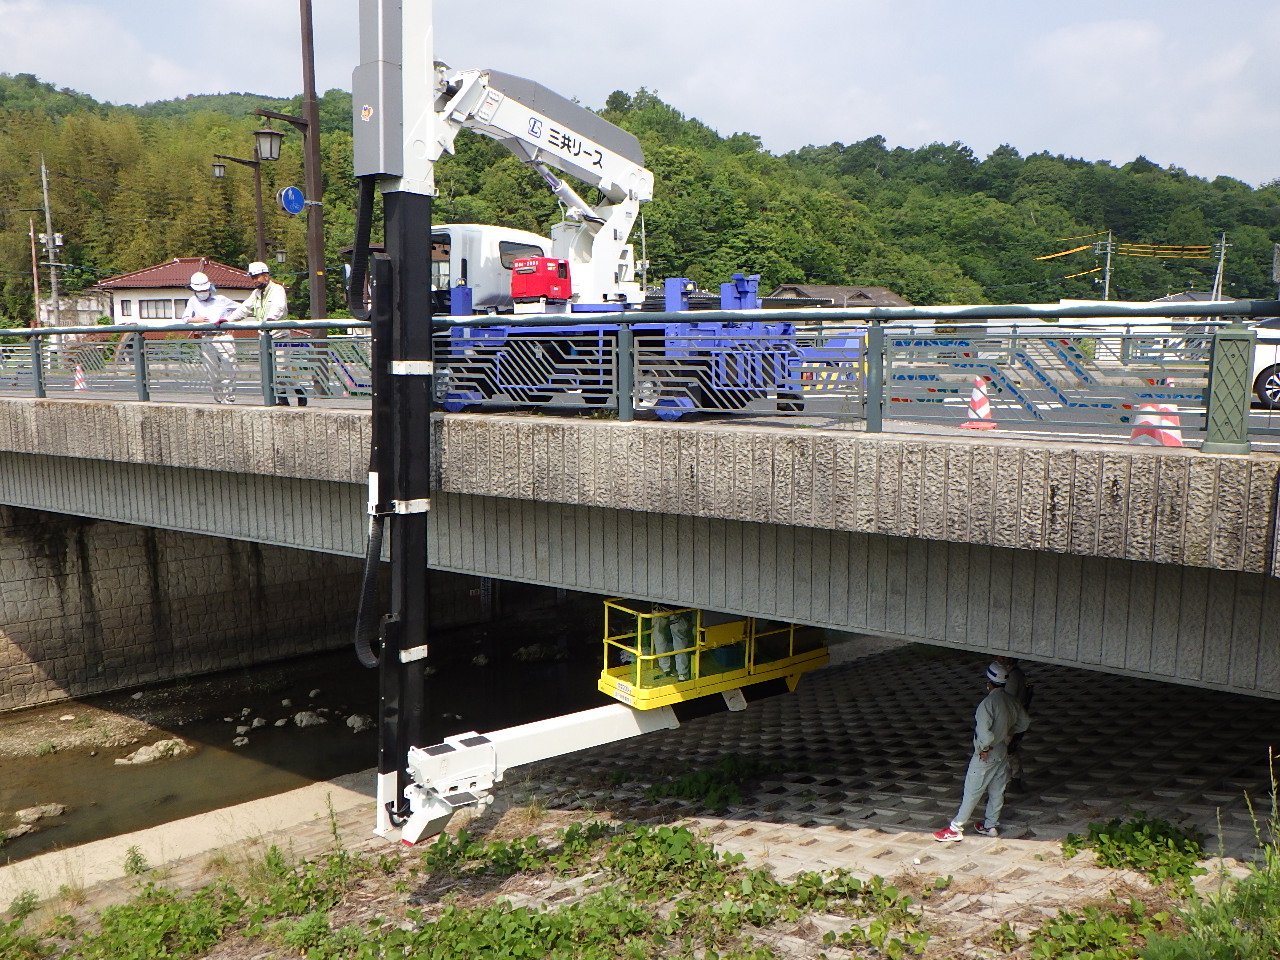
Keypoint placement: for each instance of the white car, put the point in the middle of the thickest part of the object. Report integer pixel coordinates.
(1266, 363)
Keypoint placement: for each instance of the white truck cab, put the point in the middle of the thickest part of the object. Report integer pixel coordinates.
(480, 257)
(1266, 362)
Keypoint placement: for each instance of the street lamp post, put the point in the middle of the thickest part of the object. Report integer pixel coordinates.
(313, 184)
(266, 146)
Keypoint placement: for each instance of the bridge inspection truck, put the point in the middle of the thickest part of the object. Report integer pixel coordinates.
(408, 110)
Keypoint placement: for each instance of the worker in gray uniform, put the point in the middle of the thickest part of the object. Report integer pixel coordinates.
(1018, 688)
(998, 718)
(672, 631)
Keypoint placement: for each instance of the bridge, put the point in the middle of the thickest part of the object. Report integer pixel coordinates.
(1152, 562)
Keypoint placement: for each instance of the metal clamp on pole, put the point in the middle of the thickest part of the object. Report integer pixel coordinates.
(412, 368)
(421, 505)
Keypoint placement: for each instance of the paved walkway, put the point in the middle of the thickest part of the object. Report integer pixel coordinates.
(883, 742)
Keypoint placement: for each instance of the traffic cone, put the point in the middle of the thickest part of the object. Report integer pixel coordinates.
(80, 383)
(979, 407)
(1157, 425)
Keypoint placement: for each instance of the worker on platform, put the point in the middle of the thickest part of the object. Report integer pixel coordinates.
(672, 632)
(998, 718)
(217, 347)
(1021, 690)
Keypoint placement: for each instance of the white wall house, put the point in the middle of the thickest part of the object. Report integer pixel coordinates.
(157, 295)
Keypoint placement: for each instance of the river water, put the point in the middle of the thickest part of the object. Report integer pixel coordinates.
(484, 690)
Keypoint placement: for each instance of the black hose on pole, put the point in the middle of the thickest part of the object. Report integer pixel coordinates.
(367, 620)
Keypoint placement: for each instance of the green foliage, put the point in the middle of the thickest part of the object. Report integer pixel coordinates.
(462, 854)
(1155, 847)
(23, 905)
(163, 923)
(16, 945)
(465, 856)
(647, 893)
(1097, 933)
(715, 787)
(130, 186)
(135, 864)
(1239, 922)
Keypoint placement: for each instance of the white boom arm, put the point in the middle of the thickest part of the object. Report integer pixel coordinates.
(545, 130)
(464, 769)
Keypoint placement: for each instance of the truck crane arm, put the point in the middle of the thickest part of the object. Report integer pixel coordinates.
(463, 770)
(544, 130)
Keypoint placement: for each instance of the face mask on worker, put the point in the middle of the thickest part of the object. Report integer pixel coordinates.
(204, 294)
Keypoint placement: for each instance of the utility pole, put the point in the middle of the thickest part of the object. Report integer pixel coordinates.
(50, 246)
(35, 272)
(1106, 274)
(1222, 263)
(312, 173)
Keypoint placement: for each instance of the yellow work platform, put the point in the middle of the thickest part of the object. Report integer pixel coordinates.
(657, 656)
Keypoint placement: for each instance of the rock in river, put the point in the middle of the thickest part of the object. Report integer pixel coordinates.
(160, 750)
(32, 814)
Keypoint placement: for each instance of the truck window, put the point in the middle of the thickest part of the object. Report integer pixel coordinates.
(509, 252)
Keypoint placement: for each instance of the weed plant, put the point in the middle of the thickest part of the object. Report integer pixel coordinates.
(1242, 920)
(1163, 852)
(135, 864)
(1115, 932)
(718, 786)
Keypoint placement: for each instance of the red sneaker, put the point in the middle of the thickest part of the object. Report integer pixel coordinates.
(947, 835)
(986, 831)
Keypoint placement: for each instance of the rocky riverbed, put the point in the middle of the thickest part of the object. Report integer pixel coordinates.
(121, 762)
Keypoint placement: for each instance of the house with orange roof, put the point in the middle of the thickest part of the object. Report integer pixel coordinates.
(157, 295)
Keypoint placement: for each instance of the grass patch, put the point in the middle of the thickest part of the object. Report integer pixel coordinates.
(1154, 847)
(637, 892)
(716, 787)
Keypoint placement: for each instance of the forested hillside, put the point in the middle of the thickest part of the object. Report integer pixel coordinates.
(131, 186)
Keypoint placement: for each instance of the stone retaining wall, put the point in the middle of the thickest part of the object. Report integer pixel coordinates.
(89, 606)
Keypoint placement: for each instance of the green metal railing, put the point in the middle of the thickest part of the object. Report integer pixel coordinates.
(910, 363)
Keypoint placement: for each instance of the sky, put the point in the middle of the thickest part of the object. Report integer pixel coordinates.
(1182, 83)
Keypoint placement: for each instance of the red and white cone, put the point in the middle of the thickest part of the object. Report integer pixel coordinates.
(1157, 424)
(979, 407)
(80, 383)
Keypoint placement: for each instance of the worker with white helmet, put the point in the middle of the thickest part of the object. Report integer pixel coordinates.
(266, 304)
(998, 718)
(217, 347)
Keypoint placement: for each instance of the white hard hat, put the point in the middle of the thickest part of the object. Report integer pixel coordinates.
(258, 267)
(199, 282)
(997, 674)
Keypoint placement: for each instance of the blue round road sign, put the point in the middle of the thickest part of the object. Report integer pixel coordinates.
(292, 200)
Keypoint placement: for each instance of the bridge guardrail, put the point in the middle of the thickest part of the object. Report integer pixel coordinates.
(1038, 377)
